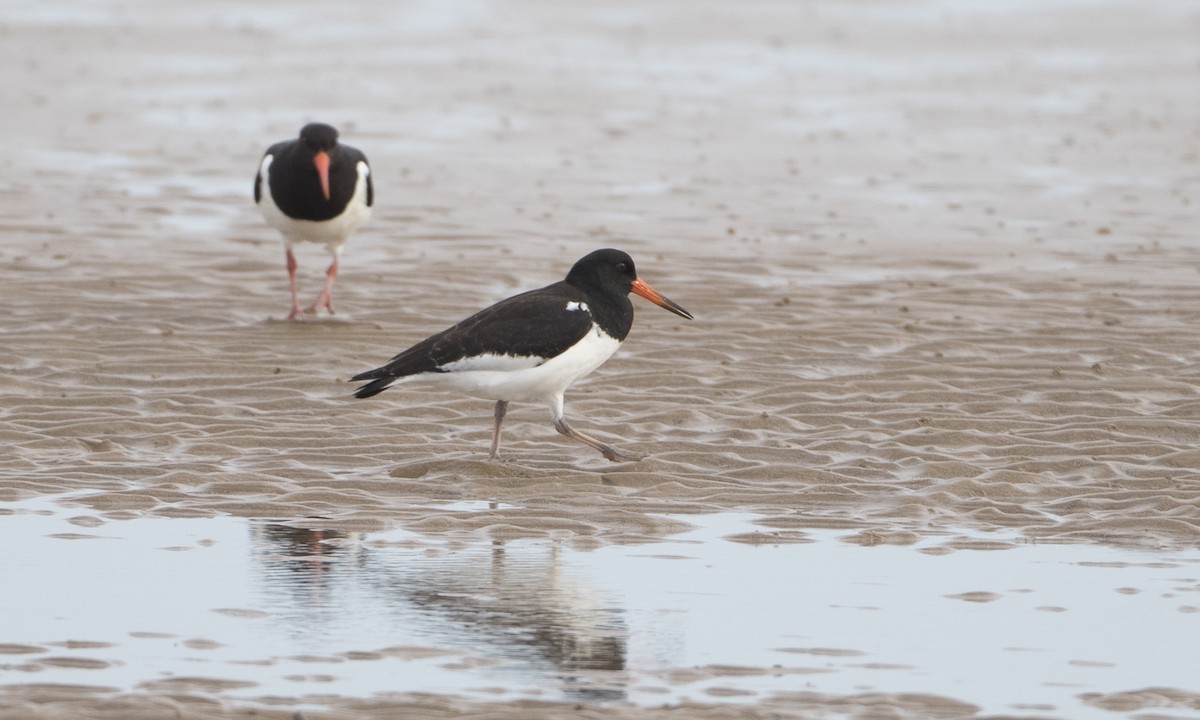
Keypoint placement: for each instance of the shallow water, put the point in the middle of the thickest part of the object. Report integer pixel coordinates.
(728, 611)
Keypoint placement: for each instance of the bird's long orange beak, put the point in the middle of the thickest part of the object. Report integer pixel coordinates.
(653, 296)
(321, 160)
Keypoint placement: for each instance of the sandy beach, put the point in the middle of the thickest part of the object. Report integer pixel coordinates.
(941, 257)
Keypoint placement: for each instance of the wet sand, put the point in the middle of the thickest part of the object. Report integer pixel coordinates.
(941, 259)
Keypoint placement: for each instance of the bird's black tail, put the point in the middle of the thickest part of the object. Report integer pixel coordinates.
(379, 383)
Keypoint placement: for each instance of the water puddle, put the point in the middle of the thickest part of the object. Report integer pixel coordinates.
(253, 609)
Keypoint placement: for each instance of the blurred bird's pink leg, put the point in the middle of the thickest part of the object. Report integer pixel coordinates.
(325, 299)
(291, 269)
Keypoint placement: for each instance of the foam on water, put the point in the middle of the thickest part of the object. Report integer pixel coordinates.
(256, 609)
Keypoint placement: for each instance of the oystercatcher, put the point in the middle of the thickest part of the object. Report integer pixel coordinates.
(532, 346)
(314, 189)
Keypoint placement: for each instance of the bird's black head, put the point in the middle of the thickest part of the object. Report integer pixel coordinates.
(612, 273)
(319, 136)
(609, 270)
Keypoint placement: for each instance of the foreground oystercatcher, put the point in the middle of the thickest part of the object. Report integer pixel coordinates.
(314, 189)
(532, 346)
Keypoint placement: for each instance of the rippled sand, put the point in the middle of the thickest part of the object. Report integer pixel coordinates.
(941, 257)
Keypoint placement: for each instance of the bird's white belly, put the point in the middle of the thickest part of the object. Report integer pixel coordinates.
(544, 382)
(333, 232)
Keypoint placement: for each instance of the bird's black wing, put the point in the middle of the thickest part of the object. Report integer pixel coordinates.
(528, 328)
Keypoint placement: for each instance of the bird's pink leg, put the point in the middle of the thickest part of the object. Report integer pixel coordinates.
(325, 299)
(291, 269)
(501, 409)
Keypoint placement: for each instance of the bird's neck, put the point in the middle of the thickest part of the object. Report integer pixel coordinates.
(614, 315)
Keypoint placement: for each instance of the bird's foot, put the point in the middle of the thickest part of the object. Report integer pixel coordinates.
(615, 455)
(322, 301)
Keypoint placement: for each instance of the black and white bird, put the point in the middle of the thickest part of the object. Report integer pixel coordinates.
(532, 346)
(314, 189)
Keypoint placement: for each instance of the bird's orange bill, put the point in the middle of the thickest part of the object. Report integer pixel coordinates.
(652, 295)
(321, 160)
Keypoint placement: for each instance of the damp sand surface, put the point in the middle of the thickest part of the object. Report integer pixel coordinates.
(941, 258)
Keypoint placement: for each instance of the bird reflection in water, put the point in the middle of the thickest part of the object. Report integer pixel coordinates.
(523, 609)
(513, 603)
(301, 570)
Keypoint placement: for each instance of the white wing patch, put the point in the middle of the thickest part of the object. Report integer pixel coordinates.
(577, 306)
(492, 361)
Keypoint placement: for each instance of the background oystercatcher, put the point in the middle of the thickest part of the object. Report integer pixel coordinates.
(532, 346)
(317, 190)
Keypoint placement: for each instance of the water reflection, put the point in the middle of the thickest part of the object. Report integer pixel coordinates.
(300, 569)
(286, 611)
(524, 610)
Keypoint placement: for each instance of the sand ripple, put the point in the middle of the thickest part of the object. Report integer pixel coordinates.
(824, 409)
